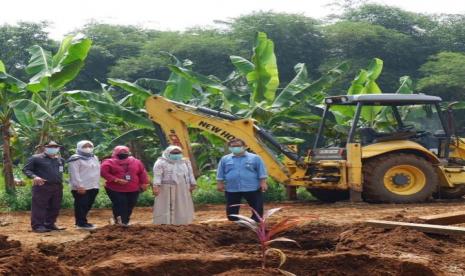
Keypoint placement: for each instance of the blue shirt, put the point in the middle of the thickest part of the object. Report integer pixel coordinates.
(241, 173)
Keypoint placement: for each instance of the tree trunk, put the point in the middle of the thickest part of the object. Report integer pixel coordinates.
(291, 192)
(7, 162)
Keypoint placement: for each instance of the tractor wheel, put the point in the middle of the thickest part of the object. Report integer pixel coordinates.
(398, 178)
(450, 193)
(326, 195)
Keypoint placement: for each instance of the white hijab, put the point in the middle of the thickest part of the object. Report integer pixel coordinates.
(180, 166)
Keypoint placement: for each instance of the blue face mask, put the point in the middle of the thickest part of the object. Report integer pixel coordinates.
(175, 156)
(236, 150)
(52, 151)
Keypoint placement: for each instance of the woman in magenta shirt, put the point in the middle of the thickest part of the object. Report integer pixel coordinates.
(125, 178)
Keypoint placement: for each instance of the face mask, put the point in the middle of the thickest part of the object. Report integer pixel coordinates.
(175, 156)
(87, 150)
(51, 151)
(236, 150)
(123, 156)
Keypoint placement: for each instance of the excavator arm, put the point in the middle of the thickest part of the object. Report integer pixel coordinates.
(174, 119)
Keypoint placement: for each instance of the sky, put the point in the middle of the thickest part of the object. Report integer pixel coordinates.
(66, 16)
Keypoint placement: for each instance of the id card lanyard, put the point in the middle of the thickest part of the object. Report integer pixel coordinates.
(127, 176)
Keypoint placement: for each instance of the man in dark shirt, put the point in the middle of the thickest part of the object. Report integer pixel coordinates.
(46, 170)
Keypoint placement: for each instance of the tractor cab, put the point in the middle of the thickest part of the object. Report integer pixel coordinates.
(368, 119)
(382, 148)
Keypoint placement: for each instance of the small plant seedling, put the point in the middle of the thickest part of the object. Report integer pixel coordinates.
(266, 233)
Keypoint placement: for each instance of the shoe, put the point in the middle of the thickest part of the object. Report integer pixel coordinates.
(41, 229)
(91, 226)
(53, 227)
(85, 226)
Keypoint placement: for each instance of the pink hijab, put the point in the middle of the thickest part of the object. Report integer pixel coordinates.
(120, 149)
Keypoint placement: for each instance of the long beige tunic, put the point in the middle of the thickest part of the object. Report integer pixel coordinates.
(174, 204)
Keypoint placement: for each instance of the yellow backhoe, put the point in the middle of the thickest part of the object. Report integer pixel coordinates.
(408, 154)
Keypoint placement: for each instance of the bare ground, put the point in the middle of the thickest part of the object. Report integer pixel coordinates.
(336, 244)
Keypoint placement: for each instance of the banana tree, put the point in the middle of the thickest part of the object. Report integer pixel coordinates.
(252, 90)
(122, 121)
(11, 89)
(46, 109)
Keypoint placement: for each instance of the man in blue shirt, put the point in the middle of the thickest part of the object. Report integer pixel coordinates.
(242, 174)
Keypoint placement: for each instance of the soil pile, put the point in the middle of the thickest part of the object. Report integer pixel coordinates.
(230, 250)
(15, 261)
(151, 240)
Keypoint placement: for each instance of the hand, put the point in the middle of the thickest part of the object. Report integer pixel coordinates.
(220, 186)
(38, 181)
(156, 190)
(143, 187)
(121, 181)
(81, 191)
(263, 186)
(192, 188)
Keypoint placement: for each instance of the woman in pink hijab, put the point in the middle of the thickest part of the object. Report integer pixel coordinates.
(125, 178)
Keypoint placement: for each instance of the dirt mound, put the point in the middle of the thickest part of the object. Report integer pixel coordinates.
(250, 271)
(34, 263)
(231, 250)
(16, 261)
(388, 241)
(152, 239)
(335, 264)
(5, 244)
(402, 218)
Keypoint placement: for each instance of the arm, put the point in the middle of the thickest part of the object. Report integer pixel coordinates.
(191, 177)
(157, 173)
(262, 174)
(157, 177)
(220, 176)
(143, 177)
(28, 169)
(74, 175)
(105, 172)
(192, 180)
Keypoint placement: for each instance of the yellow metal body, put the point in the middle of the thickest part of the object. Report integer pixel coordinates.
(175, 119)
(457, 149)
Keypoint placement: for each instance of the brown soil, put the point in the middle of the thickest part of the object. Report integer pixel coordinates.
(215, 247)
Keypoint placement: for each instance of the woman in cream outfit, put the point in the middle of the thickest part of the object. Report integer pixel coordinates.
(173, 183)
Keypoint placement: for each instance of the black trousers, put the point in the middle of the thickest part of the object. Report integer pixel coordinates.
(122, 204)
(46, 203)
(83, 204)
(254, 199)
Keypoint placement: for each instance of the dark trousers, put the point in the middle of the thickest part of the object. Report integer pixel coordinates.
(122, 204)
(254, 199)
(45, 205)
(83, 204)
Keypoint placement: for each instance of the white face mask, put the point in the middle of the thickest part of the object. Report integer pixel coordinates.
(87, 150)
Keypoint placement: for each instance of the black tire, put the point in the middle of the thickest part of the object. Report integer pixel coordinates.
(326, 195)
(374, 170)
(450, 193)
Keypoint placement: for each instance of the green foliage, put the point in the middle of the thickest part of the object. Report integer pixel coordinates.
(297, 39)
(391, 18)
(264, 77)
(16, 39)
(53, 73)
(444, 76)
(363, 83)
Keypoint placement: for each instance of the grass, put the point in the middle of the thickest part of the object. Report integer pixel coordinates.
(205, 193)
